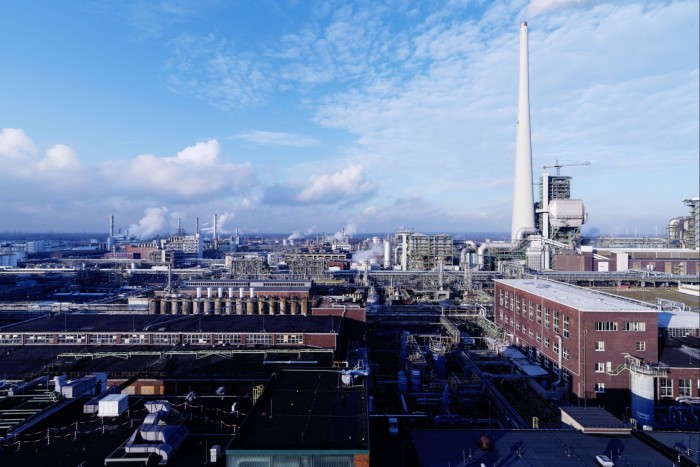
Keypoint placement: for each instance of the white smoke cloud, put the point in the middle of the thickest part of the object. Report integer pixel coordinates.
(223, 220)
(153, 222)
(349, 230)
(295, 236)
(375, 251)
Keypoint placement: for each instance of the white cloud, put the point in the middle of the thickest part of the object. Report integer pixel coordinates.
(349, 182)
(271, 138)
(15, 144)
(195, 171)
(59, 157)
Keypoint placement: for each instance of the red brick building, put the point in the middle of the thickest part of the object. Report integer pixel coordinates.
(580, 335)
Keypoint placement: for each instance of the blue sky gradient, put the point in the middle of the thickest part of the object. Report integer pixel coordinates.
(310, 116)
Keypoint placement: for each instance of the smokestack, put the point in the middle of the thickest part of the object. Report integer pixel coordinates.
(111, 225)
(179, 226)
(523, 221)
(196, 229)
(215, 240)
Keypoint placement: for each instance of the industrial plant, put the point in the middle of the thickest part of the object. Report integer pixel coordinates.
(402, 348)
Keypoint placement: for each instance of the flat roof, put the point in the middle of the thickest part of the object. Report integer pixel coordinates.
(543, 448)
(306, 410)
(79, 322)
(679, 319)
(577, 297)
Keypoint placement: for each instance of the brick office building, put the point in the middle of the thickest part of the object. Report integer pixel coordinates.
(580, 335)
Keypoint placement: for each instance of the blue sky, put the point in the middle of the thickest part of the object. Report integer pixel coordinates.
(310, 116)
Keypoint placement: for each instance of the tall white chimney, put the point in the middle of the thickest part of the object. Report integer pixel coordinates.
(523, 221)
(215, 240)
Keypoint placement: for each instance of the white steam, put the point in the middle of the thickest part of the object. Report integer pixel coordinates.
(376, 251)
(153, 222)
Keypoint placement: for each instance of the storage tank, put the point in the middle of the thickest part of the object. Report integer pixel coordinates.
(416, 378)
(403, 382)
(642, 404)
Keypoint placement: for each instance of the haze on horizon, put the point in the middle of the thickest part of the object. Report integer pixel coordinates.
(313, 116)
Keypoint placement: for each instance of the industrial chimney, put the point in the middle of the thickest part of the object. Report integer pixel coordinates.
(523, 221)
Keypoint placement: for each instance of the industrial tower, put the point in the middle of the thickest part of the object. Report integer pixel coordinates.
(523, 221)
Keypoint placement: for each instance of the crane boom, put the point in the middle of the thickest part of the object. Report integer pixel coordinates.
(558, 166)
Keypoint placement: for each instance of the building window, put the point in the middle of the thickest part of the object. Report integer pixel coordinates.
(290, 338)
(546, 317)
(566, 326)
(555, 325)
(635, 326)
(539, 314)
(665, 387)
(500, 297)
(529, 310)
(599, 387)
(538, 337)
(265, 339)
(555, 346)
(684, 387)
(600, 367)
(517, 304)
(546, 342)
(599, 346)
(500, 315)
(530, 333)
(227, 339)
(506, 300)
(606, 326)
(640, 346)
(565, 353)
(524, 329)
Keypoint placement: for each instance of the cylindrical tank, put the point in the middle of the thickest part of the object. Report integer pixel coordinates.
(294, 306)
(252, 292)
(241, 292)
(175, 306)
(261, 306)
(199, 292)
(283, 306)
(403, 382)
(230, 292)
(220, 292)
(416, 379)
(229, 306)
(249, 307)
(197, 305)
(217, 306)
(272, 306)
(187, 307)
(153, 308)
(440, 364)
(207, 307)
(209, 293)
(387, 254)
(239, 306)
(642, 403)
(164, 307)
(304, 306)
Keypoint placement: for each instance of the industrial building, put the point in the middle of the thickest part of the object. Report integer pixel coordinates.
(603, 349)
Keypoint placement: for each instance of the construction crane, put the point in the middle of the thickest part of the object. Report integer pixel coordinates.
(559, 166)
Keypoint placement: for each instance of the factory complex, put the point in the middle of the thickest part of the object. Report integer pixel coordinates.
(407, 348)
